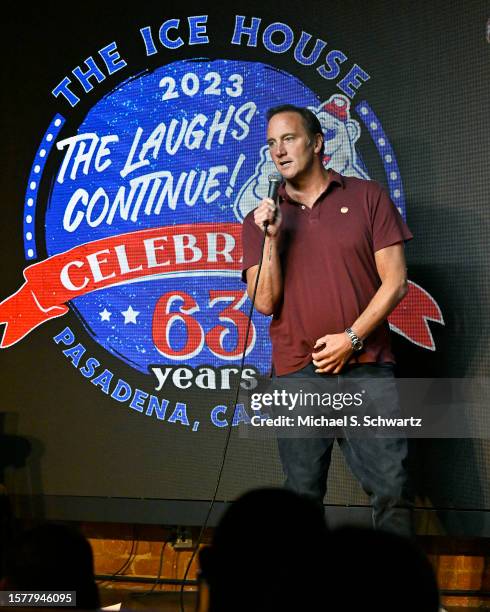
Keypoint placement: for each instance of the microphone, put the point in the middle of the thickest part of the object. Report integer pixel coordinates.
(275, 181)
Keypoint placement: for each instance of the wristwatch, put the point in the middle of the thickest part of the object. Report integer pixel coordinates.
(357, 343)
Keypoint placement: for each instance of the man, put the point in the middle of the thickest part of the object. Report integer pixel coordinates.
(333, 270)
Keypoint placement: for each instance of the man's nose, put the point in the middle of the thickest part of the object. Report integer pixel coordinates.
(281, 149)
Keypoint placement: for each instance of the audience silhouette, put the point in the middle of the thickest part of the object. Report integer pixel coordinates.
(267, 553)
(377, 570)
(52, 557)
(272, 551)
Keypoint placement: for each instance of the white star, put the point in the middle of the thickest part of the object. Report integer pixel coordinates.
(105, 315)
(129, 315)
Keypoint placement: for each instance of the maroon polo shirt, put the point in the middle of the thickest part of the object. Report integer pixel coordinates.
(328, 265)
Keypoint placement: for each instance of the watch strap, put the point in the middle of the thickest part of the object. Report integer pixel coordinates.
(357, 343)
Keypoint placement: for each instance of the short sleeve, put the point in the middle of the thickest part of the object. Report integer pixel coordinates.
(388, 226)
(251, 244)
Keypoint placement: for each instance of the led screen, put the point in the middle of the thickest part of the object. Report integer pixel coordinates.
(133, 148)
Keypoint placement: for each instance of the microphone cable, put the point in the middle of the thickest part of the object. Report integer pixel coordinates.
(230, 425)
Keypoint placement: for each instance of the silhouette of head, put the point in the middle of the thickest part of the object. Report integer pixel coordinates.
(52, 557)
(267, 553)
(376, 570)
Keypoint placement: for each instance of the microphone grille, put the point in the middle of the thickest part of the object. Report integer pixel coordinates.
(275, 177)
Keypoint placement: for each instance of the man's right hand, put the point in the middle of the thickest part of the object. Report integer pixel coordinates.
(268, 211)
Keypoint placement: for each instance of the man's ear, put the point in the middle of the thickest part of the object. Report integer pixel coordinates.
(318, 143)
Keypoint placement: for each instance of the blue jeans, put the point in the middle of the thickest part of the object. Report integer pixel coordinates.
(378, 463)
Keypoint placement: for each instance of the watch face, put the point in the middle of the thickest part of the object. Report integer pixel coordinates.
(357, 343)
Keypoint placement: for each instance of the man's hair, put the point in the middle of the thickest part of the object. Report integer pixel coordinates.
(310, 120)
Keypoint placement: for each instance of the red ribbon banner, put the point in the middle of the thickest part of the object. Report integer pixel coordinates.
(410, 318)
(179, 249)
(163, 251)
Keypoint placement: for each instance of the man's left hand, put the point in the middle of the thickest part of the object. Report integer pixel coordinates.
(335, 354)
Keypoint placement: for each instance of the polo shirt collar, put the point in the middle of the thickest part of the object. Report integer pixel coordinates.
(335, 177)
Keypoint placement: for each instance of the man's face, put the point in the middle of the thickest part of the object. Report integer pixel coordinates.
(291, 149)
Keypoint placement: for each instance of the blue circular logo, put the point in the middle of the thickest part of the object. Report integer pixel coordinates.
(151, 194)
